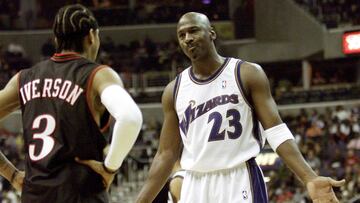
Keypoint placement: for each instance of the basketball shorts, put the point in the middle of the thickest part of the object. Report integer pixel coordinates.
(242, 184)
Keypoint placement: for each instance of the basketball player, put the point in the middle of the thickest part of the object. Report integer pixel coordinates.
(62, 100)
(216, 105)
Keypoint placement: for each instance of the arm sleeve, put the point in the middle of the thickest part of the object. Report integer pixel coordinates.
(127, 125)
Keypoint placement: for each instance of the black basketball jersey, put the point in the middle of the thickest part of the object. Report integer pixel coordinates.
(58, 126)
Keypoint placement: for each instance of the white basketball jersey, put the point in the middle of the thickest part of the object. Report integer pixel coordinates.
(217, 124)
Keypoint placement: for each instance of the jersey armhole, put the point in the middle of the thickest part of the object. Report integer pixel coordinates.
(105, 121)
(247, 99)
(240, 83)
(176, 89)
(88, 91)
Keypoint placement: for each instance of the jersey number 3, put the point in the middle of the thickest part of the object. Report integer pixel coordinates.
(47, 141)
(215, 133)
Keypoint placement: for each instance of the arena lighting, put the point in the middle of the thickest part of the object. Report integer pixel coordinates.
(351, 42)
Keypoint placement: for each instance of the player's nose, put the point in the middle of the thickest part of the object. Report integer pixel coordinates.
(188, 38)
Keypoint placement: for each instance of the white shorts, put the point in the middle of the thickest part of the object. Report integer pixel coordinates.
(243, 184)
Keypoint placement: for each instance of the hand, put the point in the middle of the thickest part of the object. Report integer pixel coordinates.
(98, 167)
(321, 191)
(18, 181)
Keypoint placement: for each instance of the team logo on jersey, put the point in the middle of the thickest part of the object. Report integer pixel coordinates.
(245, 195)
(223, 84)
(193, 112)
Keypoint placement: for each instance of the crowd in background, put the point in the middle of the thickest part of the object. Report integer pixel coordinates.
(39, 14)
(329, 139)
(330, 142)
(141, 58)
(334, 13)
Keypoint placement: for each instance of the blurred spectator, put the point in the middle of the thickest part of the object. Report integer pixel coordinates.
(39, 14)
(312, 160)
(27, 13)
(334, 13)
(341, 114)
(352, 159)
(313, 131)
(354, 143)
(318, 79)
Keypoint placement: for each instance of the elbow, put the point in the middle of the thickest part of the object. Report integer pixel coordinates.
(133, 118)
(136, 119)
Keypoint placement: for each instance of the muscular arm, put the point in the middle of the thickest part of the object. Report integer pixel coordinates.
(108, 86)
(258, 89)
(168, 151)
(9, 101)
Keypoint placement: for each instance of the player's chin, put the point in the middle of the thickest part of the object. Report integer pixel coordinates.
(193, 56)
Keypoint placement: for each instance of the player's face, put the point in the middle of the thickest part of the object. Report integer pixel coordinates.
(194, 38)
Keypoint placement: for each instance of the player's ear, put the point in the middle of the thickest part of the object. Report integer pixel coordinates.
(92, 36)
(212, 33)
(56, 42)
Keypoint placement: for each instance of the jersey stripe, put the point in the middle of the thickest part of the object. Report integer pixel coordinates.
(176, 89)
(211, 78)
(240, 84)
(258, 188)
(256, 127)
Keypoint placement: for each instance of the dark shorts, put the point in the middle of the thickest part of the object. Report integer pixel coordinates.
(60, 194)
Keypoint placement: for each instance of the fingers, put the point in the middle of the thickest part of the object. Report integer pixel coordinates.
(85, 162)
(336, 183)
(89, 163)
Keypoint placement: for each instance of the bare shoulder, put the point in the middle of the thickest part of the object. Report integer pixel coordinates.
(251, 69)
(167, 97)
(252, 75)
(104, 77)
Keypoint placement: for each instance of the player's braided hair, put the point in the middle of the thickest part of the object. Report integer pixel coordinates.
(72, 23)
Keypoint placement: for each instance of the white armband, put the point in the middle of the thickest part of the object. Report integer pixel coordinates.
(277, 135)
(127, 126)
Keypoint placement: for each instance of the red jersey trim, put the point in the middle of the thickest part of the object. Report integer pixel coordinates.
(65, 56)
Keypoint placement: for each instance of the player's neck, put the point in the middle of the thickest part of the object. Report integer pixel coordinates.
(206, 67)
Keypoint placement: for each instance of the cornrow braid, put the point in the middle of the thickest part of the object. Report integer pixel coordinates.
(72, 23)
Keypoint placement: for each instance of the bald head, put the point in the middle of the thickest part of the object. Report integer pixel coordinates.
(195, 18)
(196, 36)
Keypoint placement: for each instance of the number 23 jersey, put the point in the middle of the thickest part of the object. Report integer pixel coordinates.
(217, 124)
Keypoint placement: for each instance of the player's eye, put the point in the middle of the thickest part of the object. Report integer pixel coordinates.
(181, 35)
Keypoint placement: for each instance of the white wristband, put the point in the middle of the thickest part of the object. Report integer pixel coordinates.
(277, 135)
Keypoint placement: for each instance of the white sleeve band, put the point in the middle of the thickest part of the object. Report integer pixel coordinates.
(277, 135)
(127, 126)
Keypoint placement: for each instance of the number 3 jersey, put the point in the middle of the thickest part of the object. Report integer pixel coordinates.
(59, 125)
(218, 127)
